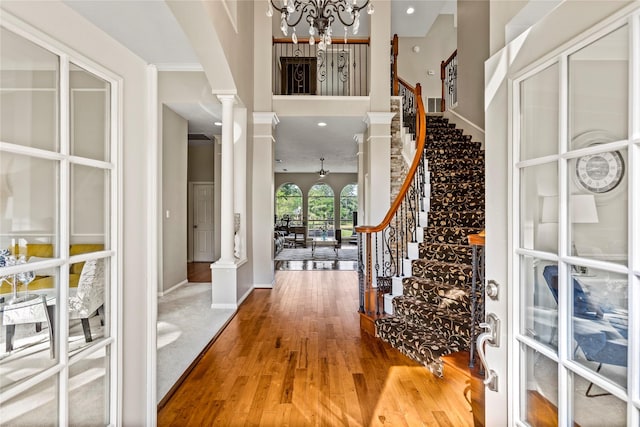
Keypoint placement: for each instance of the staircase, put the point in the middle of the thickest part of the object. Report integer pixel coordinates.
(431, 308)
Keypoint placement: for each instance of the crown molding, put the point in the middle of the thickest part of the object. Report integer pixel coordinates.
(265, 118)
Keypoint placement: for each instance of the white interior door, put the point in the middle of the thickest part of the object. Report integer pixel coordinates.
(573, 241)
(203, 222)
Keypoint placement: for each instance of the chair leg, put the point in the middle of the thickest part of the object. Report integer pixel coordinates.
(101, 314)
(10, 333)
(87, 329)
(591, 385)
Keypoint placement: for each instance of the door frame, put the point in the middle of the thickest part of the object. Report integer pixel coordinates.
(502, 71)
(190, 218)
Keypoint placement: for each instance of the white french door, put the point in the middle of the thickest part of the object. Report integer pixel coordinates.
(572, 301)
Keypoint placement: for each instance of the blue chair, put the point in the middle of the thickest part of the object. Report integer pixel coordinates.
(600, 340)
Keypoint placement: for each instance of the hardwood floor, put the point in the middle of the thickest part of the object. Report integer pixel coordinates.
(199, 272)
(294, 355)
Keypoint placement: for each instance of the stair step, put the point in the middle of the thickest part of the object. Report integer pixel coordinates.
(425, 272)
(439, 164)
(425, 346)
(457, 188)
(452, 235)
(457, 177)
(456, 254)
(447, 203)
(457, 218)
(418, 312)
(437, 153)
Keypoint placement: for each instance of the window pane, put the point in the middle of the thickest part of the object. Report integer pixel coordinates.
(321, 215)
(539, 98)
(600, 321)
(598, 86)
(28, 93)
(539, 288)
(27, 327)
(28, 201)
(87, 303)
(540, 397)
(38, 406)
(598, 206)
(90, 104)
(539, 207)
(89, 209)
(605, 410)
(89, 390)
(289, 206)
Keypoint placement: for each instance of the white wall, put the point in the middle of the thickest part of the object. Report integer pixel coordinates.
(174, 199)
(435, 47)
(64, 25)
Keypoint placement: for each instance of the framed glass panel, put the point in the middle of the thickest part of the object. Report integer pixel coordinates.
(89, 390)
(598, 206)
(539, 292)
(539, 109)
(320, 202)
(90, 105)
(29, 95)
(29, 204)
(348, 209)
(289, 206)
(539, 207)
(89, 209)
(599, 86)
(593, 407)
(539, 403)
(38, 406)
(28, 332)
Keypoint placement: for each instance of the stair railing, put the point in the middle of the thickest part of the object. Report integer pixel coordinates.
(449, 77)
(407, 92)
(382, 247)
(394, 66)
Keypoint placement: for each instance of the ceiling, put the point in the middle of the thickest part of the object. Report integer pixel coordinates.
(159, 40)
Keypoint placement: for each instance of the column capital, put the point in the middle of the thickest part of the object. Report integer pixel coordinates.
(265, 118)
(378, 118)
(227, 97)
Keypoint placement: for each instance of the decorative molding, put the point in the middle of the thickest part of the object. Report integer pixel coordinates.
(358, 138)
(265, 118)
(223, 96)
(378, 118)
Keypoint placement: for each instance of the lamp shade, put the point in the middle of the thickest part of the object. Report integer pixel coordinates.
(582, 209)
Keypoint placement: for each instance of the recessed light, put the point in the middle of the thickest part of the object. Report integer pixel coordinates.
(217, 123)
(410, 10)
(322, 124)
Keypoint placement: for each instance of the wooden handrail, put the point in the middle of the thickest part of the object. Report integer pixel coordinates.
(443, 67)
(421, 130)
(406, 84)
(394, 64)
(337, 40)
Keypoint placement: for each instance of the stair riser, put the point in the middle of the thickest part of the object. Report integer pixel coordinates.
(454, 275)
(456, 219)
(454, 254)
(456, 236)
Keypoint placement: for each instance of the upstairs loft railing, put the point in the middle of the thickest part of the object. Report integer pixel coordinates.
(382, 247)
(449, 77)
(342, 69)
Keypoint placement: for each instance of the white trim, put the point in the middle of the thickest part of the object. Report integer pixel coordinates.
(225, 306)
(378, 118)
(464, 119)
(265, 118)
(173, 288)
(153, 215)
(265, 286)
(245, 296)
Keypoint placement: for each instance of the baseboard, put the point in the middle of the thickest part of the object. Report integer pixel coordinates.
(244, 297)
(265, 286)
(470, 128)
(173, 288)
(225, 306)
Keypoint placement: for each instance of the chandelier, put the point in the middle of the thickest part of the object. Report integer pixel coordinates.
(322, 172)
(320, 14)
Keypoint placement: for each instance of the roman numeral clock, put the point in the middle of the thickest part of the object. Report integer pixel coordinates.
(600, 173)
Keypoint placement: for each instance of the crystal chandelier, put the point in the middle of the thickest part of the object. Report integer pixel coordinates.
(320, 14)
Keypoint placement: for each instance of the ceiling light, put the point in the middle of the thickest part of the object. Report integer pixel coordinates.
(320, 14)
(217, 123)
(410, 10)
(322, 124)
(322, 172)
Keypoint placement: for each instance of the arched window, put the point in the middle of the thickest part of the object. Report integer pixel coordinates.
(320, 202)
(288, 205)
(348, 207)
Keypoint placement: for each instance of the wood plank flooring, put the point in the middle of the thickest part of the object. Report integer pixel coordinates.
(294, 356)
(199, 272)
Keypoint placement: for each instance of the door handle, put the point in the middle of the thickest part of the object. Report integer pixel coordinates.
(491, 337)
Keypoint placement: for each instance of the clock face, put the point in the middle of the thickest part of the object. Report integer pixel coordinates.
(600, 173)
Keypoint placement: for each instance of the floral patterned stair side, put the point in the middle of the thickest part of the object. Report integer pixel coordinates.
(432, 317)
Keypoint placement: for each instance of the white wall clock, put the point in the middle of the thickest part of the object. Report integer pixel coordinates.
(600, 173)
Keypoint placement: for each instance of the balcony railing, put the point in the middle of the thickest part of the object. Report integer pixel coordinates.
(342, 69)
(449, 77)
